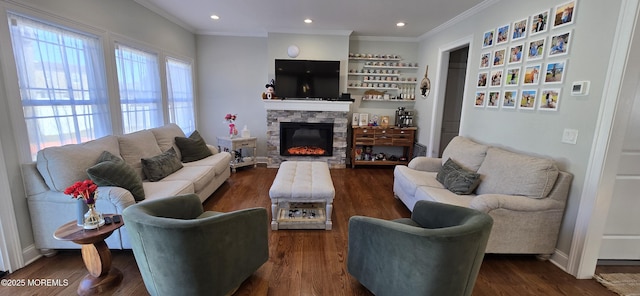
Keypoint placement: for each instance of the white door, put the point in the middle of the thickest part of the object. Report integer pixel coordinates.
(621, 237)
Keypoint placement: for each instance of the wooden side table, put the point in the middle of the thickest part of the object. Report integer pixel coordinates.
(95, 254)
(236, 144)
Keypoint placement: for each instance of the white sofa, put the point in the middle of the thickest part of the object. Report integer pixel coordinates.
(58, 167)
(525, 195)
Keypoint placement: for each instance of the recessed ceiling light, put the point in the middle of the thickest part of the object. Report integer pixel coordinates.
(400, 24)
(308, 21)
(215, 17)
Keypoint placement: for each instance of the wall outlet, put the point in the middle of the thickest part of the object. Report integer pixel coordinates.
(570, 136)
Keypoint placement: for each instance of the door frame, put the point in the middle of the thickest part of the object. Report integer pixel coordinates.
(440, 88)
(619, 93)
(11, 257)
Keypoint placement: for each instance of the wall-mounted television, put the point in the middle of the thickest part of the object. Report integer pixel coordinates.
(307, 79)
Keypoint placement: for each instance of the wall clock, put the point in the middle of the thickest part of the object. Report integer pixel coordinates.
(293, 51)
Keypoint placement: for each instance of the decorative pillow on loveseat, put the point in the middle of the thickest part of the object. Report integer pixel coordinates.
(111, 170)
(193, 148)
(160, 166)
(457, 179)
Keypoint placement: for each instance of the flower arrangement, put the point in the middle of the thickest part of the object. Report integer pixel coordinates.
(83, 189)
(231, 120)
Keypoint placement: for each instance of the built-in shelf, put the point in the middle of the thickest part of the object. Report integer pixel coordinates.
(389, 100)
(374, 59)
(375, 74)
(389, 67)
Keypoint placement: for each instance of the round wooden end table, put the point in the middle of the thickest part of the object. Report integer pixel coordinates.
(95, 254)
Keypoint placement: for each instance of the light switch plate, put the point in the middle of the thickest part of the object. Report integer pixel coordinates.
(570, 136)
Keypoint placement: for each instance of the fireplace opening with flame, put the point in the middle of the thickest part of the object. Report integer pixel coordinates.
(306, 139)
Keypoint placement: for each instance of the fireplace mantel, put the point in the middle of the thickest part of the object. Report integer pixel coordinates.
(307, 105)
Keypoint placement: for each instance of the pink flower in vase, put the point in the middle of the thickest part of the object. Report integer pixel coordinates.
(231, 119)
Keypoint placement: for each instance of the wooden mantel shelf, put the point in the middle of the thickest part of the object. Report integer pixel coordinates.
(307, 105)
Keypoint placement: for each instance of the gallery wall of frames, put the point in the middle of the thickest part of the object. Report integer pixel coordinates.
(523, 64)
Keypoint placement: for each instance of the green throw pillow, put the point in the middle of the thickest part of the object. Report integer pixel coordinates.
(160, 166)
(193, 148)
(111, 170)
(457, 179)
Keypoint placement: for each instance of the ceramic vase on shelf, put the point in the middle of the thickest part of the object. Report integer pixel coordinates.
(92, 218)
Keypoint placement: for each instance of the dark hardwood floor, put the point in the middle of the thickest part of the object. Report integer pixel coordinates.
(313, 262)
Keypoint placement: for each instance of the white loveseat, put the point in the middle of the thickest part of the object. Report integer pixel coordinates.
(56, 168)
(525, 195)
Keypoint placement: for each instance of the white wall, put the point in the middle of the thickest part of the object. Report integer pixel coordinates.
(110, 19)
(536, 132)
(234, 70)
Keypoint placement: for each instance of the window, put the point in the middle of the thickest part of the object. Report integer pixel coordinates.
(61, 75)
(180, 94)
(140, 91)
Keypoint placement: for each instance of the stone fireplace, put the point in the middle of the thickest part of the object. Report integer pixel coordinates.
(307, 114)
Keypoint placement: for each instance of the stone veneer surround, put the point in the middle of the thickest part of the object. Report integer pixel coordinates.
(324, 112)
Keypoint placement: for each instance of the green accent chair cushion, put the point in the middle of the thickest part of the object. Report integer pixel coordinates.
(182, 250)
(438, 251)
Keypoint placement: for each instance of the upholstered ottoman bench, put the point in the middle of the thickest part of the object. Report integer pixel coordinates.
(302, 196)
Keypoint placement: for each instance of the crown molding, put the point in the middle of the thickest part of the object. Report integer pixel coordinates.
(384, 38)
(163, 13)
(463, 16)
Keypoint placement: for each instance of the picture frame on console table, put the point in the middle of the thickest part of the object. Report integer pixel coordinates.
(355, 119)
(364, 119)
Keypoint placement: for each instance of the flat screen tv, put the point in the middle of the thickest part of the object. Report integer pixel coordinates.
(307, 79)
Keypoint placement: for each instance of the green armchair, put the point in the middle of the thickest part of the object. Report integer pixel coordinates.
(182, 250)
(437, 252)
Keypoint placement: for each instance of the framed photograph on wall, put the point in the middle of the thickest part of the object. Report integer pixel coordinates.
(519, 29)
(363, 119)
(559, 44)
(512, 77)
(482, 79)
(355, 117)
(531, 74)
(498, 57)
(496, 78)
(480, 99)
(488, 38)
(494, 99)
(539, 23)
(549, 99)
(528, 99)
(509, 99)
(554, 72)
(535, 49)
(563, 14)
(485, 57)
(515, 53)
(503, 34)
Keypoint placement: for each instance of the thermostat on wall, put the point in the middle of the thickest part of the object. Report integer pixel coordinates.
(580, 88)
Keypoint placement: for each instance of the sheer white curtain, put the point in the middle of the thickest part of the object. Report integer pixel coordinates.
(140, 91)
(180, 94)
(62, 81)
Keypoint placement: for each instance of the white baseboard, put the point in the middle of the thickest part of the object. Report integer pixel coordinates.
(30, 254)
(560, 259)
